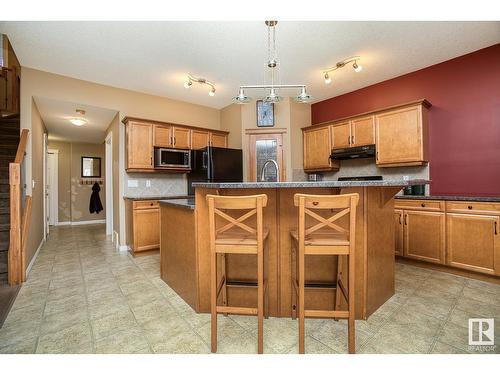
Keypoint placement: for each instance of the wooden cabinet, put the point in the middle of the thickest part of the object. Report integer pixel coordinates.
(341, 135)
(459, 233)
(398, 220)
(424, 236)
(363, 131)
(317, 149)
(199, 139)
(143, 136)
(218, 140)
(472, 242)
(161, 136)
(139, 146)
(401, 136)
(143, 230)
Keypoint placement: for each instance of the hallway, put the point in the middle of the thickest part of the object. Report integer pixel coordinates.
(83, 296)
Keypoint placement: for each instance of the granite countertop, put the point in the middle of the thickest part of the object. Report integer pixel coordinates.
(187, 203)
(308, 184)
(449, 198)
(155, 197)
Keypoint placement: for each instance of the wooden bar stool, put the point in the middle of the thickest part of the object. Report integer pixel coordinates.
(325, 238)
(236, 237)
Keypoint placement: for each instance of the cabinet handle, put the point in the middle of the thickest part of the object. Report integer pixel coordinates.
(406, 219)
(400, 219)
(349, 139)
(151, 160)
(496, 228)
(352, 139)
(423, 204)
(469, 207)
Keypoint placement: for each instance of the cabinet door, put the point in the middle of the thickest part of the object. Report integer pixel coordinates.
(363, 131)
(199, 139)
(424, 236)
(398, 220)
(317, 149)
(473, 242)
(399, 136)
(146, 229)
(341, 135)
(139, 145)
(181, 137)
(218, 140)
(162, 136)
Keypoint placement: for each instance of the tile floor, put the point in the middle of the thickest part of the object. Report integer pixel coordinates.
(82, 296)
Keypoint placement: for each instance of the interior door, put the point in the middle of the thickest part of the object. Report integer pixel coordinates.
(261, 149)
(52, 199)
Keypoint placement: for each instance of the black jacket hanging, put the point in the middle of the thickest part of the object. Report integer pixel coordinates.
(95, 202)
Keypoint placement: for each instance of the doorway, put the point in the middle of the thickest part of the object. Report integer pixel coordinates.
(109, 183)
(265, 148)
(52, 187)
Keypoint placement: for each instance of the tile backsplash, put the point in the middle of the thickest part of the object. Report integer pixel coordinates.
(165, 184)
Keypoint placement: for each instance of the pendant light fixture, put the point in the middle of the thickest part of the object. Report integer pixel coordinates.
(273, 95)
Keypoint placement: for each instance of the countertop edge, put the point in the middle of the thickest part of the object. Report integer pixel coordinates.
(187, 204)
(449, 198)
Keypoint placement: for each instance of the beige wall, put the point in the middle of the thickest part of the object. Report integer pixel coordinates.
(37, 130)
(114, 129)
(127, 103)
(73, 197)
(300, 117)
(230, 120)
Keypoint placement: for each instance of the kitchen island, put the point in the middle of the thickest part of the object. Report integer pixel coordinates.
(185, 251)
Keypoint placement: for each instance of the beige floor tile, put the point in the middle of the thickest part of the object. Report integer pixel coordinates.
(245, 344)
(442, 348)
(18, 333)
(28, 314)
(26, 346)
(227, 329)
(65, 304)
(312, 346)
(74, 339)
(393, 338)
(482, 308)
(108, 307)
(137, 286)
(479, 294)
(142, 298)
(153, 310)
(159, 330)
(110, 324)
(438, 307)
(408, 320)
(185, 342)
(130, 341)
(64, 319)
(483, 286)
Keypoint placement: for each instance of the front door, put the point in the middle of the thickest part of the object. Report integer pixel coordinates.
(265, 149)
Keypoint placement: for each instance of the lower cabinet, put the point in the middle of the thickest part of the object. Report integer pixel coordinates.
(473, 243)
(143, 229)
(398, 217)
(424, 236)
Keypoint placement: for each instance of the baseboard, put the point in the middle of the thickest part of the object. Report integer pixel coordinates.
(86, 222)
(123, 248)
(34, 257)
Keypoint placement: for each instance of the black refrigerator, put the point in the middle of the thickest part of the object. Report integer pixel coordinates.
(215, 164)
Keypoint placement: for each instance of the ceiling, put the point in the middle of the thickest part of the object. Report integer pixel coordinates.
(56, 115)
(154, 57)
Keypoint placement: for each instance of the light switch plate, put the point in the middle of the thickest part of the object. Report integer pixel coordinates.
(148, 183)
(133, 183)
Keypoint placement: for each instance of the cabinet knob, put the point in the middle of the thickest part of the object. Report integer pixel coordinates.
(151, 204)
(469, 207)
(423, 204)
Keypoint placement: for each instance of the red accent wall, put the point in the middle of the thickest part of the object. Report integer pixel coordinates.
(464, 120)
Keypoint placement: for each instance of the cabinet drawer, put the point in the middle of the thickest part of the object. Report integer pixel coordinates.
(473, 207)
(414, 204)
(145, 204)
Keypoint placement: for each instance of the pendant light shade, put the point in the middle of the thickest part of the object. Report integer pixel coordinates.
(303, 97)
(242, 98)
(273, 97)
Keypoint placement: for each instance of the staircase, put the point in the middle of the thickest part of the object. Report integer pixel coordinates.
(9, 140)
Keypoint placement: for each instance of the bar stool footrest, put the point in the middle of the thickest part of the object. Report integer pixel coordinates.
(236, 310)
(326, 314)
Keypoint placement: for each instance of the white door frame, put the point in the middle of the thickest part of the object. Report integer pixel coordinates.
(45, 193)
(53, 177)
(108, 144)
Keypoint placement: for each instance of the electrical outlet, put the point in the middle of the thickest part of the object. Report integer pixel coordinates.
(148, 183)
(133, 183)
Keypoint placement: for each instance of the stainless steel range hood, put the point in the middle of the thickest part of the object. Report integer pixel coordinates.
(353, 153)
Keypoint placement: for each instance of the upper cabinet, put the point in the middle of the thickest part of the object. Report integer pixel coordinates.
(144, 135)
(139, 145)
(399, 133)
(401, 136)
(317, 148)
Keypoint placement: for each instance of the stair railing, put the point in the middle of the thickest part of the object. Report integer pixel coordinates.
(19, 217)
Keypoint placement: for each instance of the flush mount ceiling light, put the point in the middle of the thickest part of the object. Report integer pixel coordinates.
(79, 121)
(273, 70)
(354, 59)
(202, 81)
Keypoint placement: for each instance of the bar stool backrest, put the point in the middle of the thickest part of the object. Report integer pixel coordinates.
(252, 204)
(308, 204)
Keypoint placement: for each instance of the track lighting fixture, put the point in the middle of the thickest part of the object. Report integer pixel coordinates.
(202, 81)
(357, 67)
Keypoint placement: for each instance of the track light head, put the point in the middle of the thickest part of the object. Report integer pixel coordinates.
(357, 68)
(328, 79)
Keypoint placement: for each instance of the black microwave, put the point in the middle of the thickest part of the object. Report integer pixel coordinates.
(172, 158)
